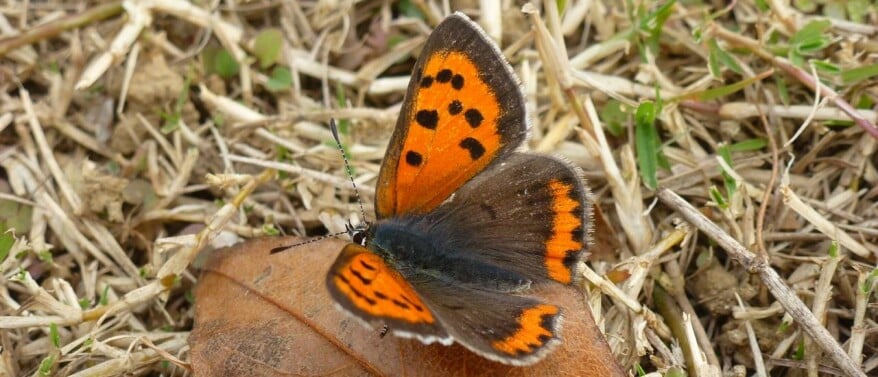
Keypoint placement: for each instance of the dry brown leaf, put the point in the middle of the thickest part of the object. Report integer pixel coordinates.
(258, 314)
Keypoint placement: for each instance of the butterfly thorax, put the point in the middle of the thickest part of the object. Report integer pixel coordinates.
(415, 248)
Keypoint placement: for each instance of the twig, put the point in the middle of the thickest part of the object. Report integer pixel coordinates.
(59, 26)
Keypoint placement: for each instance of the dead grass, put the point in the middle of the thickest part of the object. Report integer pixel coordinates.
(124, 157)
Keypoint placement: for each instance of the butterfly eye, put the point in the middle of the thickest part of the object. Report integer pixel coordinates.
(360, 238)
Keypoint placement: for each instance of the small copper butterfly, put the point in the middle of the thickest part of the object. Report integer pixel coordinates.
(465, 223)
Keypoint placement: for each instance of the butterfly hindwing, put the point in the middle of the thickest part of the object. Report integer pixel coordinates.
(527, 213)
(508, 328)
(463, 110)
(362, 284)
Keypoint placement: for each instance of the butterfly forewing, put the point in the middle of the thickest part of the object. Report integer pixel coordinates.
(463, 110)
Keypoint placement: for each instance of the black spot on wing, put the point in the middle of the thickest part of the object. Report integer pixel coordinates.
(548, 322)
(474, 147)
(355, 291)
(428, 119)
(473, 117)
(457, 82)
(571, 258)
(455, 107)
(444, 76)
(427, 81)
(413, 158)
(412, 303)
(361, 278)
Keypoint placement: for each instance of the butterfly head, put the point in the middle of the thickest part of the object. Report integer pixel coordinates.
(359, 233)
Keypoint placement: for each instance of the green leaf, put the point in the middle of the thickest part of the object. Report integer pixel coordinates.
(639, 369)
(47, 365)
(718, 198)
(713, 60)
(341, 99)
(172, 121)
(855, 75)
(865, 102)
(833, 249)
(811, 38)
(267, 46)
(281, 79)
(722, 56)
(105, 296)
(54, 335)
(654, 22)
(45, 256)
(646, 137)
(562, 5)
(869, 284)
(15, 215)
(723, 91)
(729, 182)
(825, 66)
(799, 353)
(614, 116)
(782, 90)
(838, 123)
(225, 64)
(748, 145)
(342, 124)
(783, 327)
(84, 303)
(6, 243)
(270, 230)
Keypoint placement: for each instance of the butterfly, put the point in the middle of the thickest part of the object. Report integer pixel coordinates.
(466, 224)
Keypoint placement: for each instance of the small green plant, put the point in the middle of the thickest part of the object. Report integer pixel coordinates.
(646, 143)
(267, 47)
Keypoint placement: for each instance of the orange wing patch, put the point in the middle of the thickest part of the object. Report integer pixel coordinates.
(536, 328)
(377, 290)
(452, 133)
(566, 240)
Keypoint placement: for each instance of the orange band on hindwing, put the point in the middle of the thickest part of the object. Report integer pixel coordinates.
(536, 329)
(566, 240)
(380, 291)
(452, 132)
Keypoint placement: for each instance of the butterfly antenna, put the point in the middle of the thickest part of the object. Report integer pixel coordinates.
(321, 238)
(347, 165)
(349, 228)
